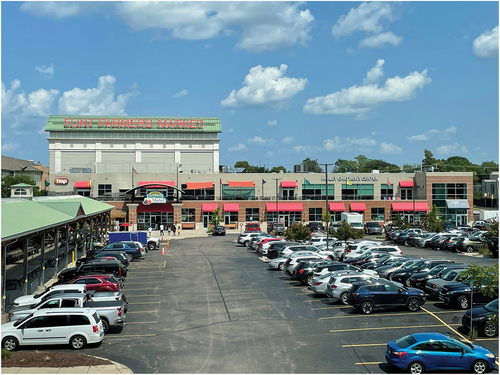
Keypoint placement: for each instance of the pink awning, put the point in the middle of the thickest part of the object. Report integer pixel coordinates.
(169, 183)
(358, 206)
(421, 206)
(402, 206)
(199, 185)
(285, 206)
(231, 207)
(288, 184)
(240, 184)
(82, 184)
(337, 206)
(209, 207)
(406, 184)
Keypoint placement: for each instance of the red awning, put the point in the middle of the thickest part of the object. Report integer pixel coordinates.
(288, 184)
(402, 206)
(82, 184)
(231, 207)
(155, 207)
(421, 206)
(359, 206)
(209, 207)
(406, 184)
(337, 206)
(240, 184)
(170, 183)
(285, 206)
(199, 185)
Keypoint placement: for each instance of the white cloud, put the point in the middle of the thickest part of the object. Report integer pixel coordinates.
(230, 130)
(485, 46)
(418, 137)
(464, 149)
(182, 93)
(332, 144)
(305, 149)
(362, 141)
(94, 101)
(265, 87)
(448, 149)
(381, 39)
(261, 141)
(57, 9)
(434, 131)
(40, 102)
(373, 75)
(360, 99)
(45, 70)
(239, 147)
(288, 139)
(389, 148)
(451, 129)
(272, 123)
(269, 153)
(373, 133)
(10, 146)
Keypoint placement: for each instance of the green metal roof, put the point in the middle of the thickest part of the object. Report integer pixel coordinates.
(22, 216)
(133, 124)
(21, 185)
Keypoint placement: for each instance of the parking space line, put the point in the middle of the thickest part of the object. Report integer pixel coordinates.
(139, 312)
(367, 315)
(446, 324)
(128, 290)
(315, 300)
(145, 295)
(357, 345)
(368, 363)
(401, 327)
(120, 336)
(149, 282)
(142, 303)
(327, 308)
(127, 323)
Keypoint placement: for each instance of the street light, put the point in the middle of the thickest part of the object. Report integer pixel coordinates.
(177, 191)
(277, 214)
(327, 206)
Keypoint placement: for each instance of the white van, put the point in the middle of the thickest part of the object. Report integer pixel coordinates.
(74, 326)
(55, 289)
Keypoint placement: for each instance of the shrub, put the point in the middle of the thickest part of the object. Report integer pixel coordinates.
(6, 354)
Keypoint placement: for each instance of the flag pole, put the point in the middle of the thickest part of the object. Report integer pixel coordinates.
(132, 177)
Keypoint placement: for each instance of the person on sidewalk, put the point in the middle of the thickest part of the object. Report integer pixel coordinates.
(179, 230)
(161, 230)
(150, 230)
(169, 228)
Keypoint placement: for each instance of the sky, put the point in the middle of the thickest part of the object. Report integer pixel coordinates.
(289, 80)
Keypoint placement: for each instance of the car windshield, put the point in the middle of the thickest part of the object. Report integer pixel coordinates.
(435, 270)
(405, 341)
(21, 321)
(450, 276)
(492, 306)
(413, 266)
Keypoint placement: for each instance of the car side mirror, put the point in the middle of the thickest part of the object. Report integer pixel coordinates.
(401, 290)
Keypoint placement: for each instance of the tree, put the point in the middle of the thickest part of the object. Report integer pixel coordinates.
(8, 181)
(215, 218)
(312, 165)
(483, 277)
(428, 160)
(345, 232)
(400, 223)
(297, 232)
(345, 166)
(432, 220)
(361, 160)
(278, 169)
(326, 217)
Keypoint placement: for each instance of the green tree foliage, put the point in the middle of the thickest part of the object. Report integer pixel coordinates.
(432, 220)
(483, 277)
(8, 181)
(428, 160)
(312, 165)
(279, 169)
(215, 218)
(346, 232)
(345, 166)
(380, 165)
(297, 232)
(400, 223)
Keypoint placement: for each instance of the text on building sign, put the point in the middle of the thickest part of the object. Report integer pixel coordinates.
(131, 123)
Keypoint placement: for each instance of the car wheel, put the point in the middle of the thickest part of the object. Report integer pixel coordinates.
(130, 257)
(281, 266)
(413, 304)
(77, 342)
(469, 249)
(389, 276)
(151, 246)
(490, 330)
(407, 243)
(463, 302)
(105, 326)
(407, 281)
(10, 343)
(245, 243)
(366, 307)
(416, 368)
(309, 280)
(479, 366)
(343, 298)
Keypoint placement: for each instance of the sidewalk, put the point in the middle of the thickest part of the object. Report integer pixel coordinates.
(189, 233)
(115, 368)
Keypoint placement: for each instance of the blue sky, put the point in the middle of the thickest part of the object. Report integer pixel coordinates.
(324, 80)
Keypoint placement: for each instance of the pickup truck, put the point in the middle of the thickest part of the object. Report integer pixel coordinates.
(112, 313)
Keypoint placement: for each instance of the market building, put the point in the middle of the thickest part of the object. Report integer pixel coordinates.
(165, 170)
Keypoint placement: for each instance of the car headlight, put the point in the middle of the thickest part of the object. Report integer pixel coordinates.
(433, 285)
(419, 278)
(489, 355)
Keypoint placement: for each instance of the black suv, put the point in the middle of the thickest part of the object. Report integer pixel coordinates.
(384, 294)
(315, 226)
(304, 272)
(418, 279)
(372, 227)
(114, 267)
(403, 275)
(459, 294)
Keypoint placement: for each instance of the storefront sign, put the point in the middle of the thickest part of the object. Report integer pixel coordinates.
(351, 178)
(133, 123)
(61, 181)
(154, 197)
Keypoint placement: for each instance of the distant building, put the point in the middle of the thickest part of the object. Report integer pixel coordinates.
(20, 167)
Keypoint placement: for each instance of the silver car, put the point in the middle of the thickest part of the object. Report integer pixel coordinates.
(319, 283)
(338, 286)
(279, 263)
(433, 286)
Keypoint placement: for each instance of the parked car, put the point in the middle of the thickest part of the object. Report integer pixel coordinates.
(99, 283)
(415, 238)
(277, 228)
(381, 259)
(252, 227)
(403, 274)
(386, 270)
(121, 256)
(294, 248)
(305, 269)
(418, 279)
(315, 226)
(366, 297)
(483, 319)
(51, 291)
(372, 227)
(279, 263)
(469, 245)
(431, 351)
(276, 247)
(341, 282)
(459, 294)
(292, 262)
(219, 230)
(319, 283)
(73, 326)
(433, 286)
(114, 267)
(266, 245)
(132, 252)
(244, 238)
(355, 248)
(264, 241)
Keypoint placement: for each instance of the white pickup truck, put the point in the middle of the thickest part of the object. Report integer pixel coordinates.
(111, 312)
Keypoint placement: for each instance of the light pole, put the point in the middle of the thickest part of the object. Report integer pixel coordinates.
(277, 213)
(414, 183)
(327, 215)
(177, 184)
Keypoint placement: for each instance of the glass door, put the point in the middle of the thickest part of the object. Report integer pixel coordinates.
(206, 219)
(285, 220)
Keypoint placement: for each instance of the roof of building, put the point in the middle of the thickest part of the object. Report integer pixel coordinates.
(21, 216)
(13, 164)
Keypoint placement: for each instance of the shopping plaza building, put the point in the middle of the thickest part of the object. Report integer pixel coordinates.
(165, 170)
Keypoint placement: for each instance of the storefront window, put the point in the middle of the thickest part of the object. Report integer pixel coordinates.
(288, 194)
(230, 217)
(336, 216)
(201, 194)
(188, 215)
(378, 214)
(251, 214)
(406, 194)
(315, 214)
(386, 191)
(238, 193)
(357, 192)
(317, 191)
(85, 192)
(103, 190)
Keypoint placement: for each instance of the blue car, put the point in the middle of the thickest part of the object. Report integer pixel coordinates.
(431, 351)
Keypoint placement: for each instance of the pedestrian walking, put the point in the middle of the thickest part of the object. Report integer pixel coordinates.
(179, 230)
(161, 230)
(168, 229)
(150, 230)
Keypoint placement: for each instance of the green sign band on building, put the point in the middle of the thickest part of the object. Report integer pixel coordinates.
(128, 123)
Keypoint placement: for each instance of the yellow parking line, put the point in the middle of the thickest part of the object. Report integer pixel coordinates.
(138, 312)
(127, 323)
(487, 339)
(356, 345)
(120, 336)
(446, 324)
(164, 264)
(367, 315)
(374, 328)
(368, 363)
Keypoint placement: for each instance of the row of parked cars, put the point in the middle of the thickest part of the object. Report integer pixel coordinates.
(81, 307)
(375, 276)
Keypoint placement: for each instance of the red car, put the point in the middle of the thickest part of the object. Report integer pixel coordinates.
(266, 240)
(252, 227)
(99, 283)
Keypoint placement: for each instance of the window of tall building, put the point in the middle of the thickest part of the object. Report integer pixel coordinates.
(317, 191)
(188, 215)
(251, 214)
(315, 214)
(378, 214)
(103, 190)
(386, 191)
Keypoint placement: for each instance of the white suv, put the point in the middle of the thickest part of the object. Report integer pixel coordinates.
(53, 290)
(74, 326)
(245, 238)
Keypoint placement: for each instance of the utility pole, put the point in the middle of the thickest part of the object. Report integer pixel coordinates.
(277, 213)
(327, 206)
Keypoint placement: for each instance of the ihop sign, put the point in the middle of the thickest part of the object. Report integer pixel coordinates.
(61, 181)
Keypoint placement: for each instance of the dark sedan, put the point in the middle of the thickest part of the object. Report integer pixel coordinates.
(483, 319)
(219, 230)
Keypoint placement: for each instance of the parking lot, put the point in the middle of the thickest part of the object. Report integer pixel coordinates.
(210, 306)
